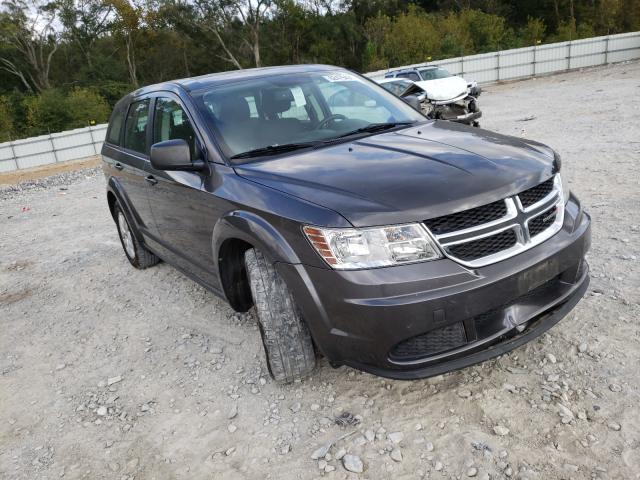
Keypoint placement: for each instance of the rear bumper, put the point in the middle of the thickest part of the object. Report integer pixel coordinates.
(362, 318)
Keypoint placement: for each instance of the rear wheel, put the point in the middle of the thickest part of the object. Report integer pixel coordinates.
(286, 338)
(136, 253)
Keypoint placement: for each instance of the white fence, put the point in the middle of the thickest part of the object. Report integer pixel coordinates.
(528, 62)
(52, 148)
(484, 68)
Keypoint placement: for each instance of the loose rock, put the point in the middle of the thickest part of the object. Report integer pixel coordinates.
(352, 463)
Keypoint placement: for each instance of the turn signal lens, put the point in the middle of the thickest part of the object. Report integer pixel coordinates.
(358, 248)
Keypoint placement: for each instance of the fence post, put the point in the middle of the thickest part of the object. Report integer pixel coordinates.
(462, 66)
(13, 154)
(497, 66)
(569, 57)
(93, 141)
(53, 148)
(535, 50)
(606, 50)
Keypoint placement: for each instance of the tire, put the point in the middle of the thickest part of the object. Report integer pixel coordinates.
(286, 338)
(136, 253)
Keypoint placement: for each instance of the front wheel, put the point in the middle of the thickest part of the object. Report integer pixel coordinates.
(286, 338)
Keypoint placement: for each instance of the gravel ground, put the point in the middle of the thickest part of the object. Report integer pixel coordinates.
(110, 372)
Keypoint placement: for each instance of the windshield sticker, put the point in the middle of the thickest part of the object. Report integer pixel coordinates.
(298, 96)
(340, 77)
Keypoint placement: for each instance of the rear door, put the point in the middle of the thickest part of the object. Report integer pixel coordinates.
(126, 156)
(184, 212)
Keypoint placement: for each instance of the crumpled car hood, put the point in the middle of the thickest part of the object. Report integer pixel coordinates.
(409, 175)
(444, 88)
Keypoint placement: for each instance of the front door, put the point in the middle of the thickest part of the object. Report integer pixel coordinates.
(184, 212)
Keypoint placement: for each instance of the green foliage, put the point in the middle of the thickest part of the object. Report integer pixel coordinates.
(86, 107)
(6, 120)
(101, 49)
(55, 110)
(533, 32)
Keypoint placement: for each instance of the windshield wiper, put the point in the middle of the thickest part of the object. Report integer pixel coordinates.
(375, 127)
(273, 149)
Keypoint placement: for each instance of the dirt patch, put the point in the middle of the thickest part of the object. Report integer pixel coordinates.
(29, 174)
(8, 298)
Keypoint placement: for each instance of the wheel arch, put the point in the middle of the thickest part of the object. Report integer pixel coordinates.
(115, 193)
(233, 235)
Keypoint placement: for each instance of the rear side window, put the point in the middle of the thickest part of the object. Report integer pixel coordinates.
(135, 135)
(410, 75)
(115, 126)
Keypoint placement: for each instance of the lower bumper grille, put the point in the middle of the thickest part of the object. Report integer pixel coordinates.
(430, 343)
(484, 325)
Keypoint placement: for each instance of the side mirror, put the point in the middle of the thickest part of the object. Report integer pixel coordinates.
(411, 100)
(174, 155)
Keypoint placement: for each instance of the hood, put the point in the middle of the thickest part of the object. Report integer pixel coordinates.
(409, 175)
(444, 88)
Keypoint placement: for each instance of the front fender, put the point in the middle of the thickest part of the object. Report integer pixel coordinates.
(255, 230)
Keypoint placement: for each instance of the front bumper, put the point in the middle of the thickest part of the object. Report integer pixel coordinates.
(464, 111)
(360, 318)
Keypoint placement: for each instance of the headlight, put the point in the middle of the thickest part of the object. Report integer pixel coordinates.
(562, 180)
(353, 248)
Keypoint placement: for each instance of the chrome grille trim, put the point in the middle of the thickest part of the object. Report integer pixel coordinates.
(517, 218)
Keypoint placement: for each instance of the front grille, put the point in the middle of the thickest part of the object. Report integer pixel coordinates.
(511, 225)
(484, 247)
(430, 343)
(535, 194)
(543, 221)
(468, 218)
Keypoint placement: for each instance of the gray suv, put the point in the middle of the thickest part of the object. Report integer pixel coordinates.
(358, 229)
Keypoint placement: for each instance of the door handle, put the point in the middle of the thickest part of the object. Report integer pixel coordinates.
(151, 180)
(119, 166)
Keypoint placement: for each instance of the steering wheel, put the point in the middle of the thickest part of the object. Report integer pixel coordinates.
(330, 118)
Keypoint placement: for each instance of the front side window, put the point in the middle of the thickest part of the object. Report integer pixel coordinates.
(303, 108)
(171, 123)
(135, 137)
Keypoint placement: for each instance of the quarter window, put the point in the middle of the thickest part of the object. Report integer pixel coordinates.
(135, 137)
(171, 123)
(115, 126)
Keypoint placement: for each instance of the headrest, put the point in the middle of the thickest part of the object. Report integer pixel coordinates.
(276, 100)
(234, 109)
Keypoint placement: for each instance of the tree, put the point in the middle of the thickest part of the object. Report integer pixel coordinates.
(533, 32)
(27, 28)
(218, 17)
(6, 120)
(84, 22)
(127, 26)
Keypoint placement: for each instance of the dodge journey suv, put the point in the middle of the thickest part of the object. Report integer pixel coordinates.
(357, 228)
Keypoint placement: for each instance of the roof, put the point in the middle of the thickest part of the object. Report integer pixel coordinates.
(208, 80)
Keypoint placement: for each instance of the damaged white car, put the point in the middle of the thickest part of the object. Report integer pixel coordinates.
(440, 94)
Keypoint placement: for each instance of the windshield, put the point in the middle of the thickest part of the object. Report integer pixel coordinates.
(298, 111)
(397, 87)
(434, 73)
